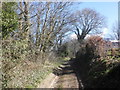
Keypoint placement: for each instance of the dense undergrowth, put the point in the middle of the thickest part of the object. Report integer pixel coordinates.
(21, 68)
(27, 74)
(97, 71)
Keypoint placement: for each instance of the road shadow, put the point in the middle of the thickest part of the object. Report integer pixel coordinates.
(67, 68)
(64, 69)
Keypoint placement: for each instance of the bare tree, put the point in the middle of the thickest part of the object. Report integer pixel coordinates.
(51, 23)
(87, 21)
(23, 8)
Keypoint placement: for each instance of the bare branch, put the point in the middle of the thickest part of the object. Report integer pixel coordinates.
(87, 20)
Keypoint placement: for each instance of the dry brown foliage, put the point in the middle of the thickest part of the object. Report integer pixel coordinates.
(97, 44)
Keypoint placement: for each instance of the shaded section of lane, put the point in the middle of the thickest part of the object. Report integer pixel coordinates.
(67, 76)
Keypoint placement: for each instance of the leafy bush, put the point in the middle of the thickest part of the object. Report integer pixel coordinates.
(62, 51)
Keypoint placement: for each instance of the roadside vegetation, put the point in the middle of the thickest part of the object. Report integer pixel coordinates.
(35, 40)
(97, 66)
(29, 48)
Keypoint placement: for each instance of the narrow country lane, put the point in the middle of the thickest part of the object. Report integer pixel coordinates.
(62, 77)
(66, 77)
